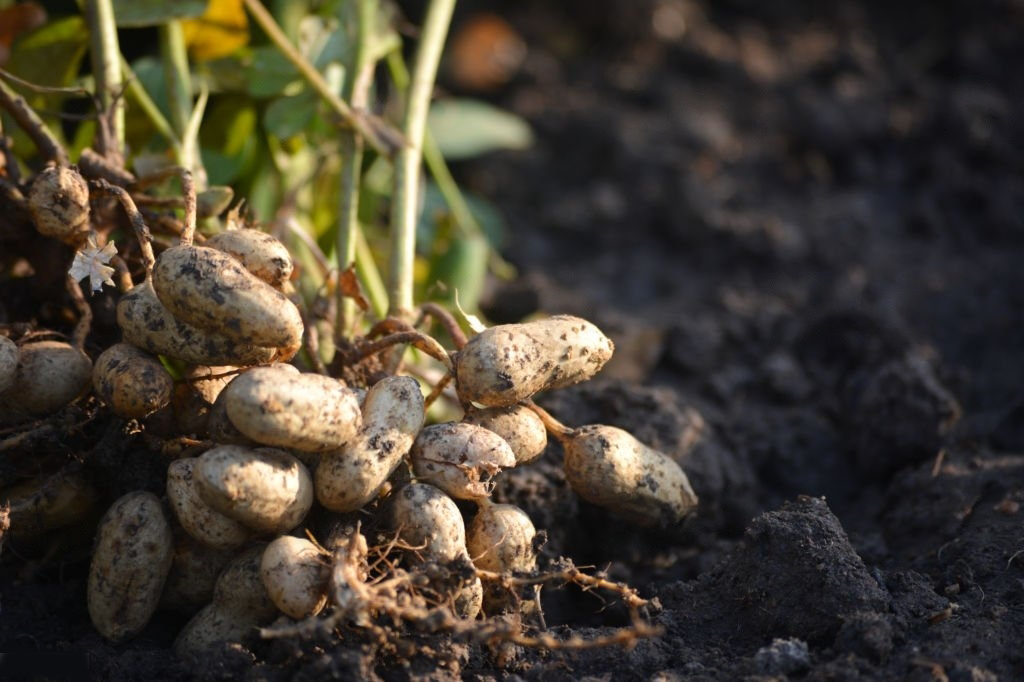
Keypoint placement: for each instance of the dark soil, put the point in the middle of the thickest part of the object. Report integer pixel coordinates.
(802, 224)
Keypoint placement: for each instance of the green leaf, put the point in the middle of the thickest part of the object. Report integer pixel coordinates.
(51, 55)
(288, 116)
(228, 139)
(135, 13)
(269, 73)
(464, 128)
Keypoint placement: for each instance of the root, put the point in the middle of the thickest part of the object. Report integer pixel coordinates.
(447, 320)
(138, 224)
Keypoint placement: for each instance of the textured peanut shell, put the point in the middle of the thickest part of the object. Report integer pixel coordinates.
(265, 489)
(460, 459)
(429, 519)
(8, 363)
(197, 518)
(240, 605)
(260, 253)
(58, 501)
(58, 202)
(146, 323)
(507, 364)
(500, 538)
(309, 412)
(49, 375)
(131, 381)
(295, 575)
(130, 562)
(393, 414)
(213, 291)
(610, 468)
(193, 574)
(518, 425)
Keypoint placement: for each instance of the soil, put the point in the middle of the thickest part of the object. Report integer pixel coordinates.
(802, 225)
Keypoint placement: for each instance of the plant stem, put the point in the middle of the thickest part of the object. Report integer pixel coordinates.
(150, 109)
(369, 275)
(106, 67)
(357, 92)
(407, 161)
(179, 89)
(29, 121)
(375, 132)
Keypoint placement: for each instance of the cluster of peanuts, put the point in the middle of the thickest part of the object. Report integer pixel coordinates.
(280, 444)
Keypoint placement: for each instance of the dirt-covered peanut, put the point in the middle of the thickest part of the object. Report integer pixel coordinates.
(131, 381)
(49, 375)
(240, 605)
(610, 468)
(262, 254)
(146, 323)
(508, 363)
(501, 538)
(197, 518)
(8, 363)
(460, 459)
(130, 561)
(213, 291)
(392, 415)
(193, 574)
(428, 519)
(59, 204)
(295, 574)
(309, 412)
(39, 505)
(265, 489)
(518, 425)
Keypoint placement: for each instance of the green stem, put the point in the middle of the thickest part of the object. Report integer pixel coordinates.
(106, 67)
(407, 161)
(369, 275)
(150, 109)
(376, 133)
(357, 92)
(179, 88)
(438, 168)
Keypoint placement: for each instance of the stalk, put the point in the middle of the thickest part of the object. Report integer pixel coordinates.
(179, 90)
(357, 93)
(379, 137)
(105, 52)
(409, 157)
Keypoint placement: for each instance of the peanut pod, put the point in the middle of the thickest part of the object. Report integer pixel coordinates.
(146, 323)
(507, 364)
(213, 291)
(197, 518)
(393, 413)
(610, 468)
(133, 382)
(267, 490)
(518, 425)
(260, 253)
(130, 562)
(277, 406)
(460, 459)
(48, 376)
(295, 574)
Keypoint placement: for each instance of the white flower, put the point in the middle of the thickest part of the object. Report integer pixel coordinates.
(92, 262)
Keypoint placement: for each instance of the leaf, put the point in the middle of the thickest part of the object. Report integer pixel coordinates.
(269, 73)
(221, 30)
(288, 116)
(51, 55)
(464, 128)
(135, 13)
